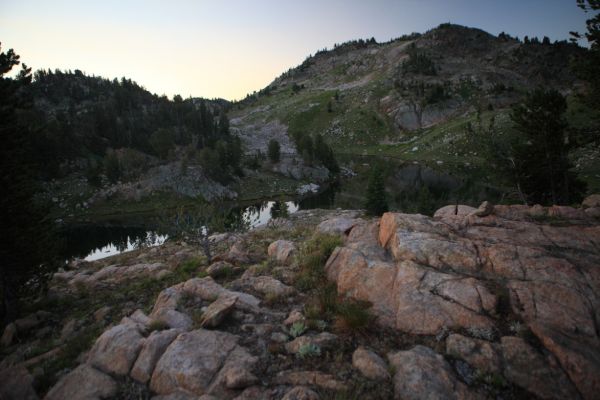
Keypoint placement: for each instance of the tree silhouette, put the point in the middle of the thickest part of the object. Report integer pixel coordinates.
(376, 199)
(27, 241)
(274, 151)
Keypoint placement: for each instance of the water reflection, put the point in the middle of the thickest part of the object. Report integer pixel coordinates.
(410, 188)
(96, 242)
(261, 213)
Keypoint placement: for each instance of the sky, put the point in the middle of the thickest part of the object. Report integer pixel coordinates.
(228, 48)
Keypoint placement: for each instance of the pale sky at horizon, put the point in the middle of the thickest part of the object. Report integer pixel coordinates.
(230, 48)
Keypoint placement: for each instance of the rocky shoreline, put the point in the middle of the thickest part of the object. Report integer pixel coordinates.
(495, 302)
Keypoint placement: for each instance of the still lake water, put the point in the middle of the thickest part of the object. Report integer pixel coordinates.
(96, 242)
(411, 188)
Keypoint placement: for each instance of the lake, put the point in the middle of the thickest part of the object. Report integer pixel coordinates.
(410, 188)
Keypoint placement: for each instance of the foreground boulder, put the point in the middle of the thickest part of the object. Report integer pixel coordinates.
(281, 250)
(154, 346)
(200, 362)
(421, 372)
(17, 384)
(468, 271)
(84, 382)
(116, 350)
(369, 364)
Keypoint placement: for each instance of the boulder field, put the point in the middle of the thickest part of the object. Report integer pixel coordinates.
(472, 303)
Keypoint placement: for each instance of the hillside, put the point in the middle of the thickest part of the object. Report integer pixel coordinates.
(411, 98)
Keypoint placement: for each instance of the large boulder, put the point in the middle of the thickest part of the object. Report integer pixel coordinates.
(369, 364)
(481, 354)
(83, 383)
(198, 362)
(422, 373)
(321, 340)
(452, 210)
(116, 349)
(217, 311)
(154, 346)
(592, 200)
(338, 225)
(535, 372)
(282, 251)
(17, 384)
(470, 272)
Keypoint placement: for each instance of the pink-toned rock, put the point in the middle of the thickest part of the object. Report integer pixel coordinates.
(217, 311)
(268, 286)
(454, 210)
(423, 275)
(532, 371)
(369, 364)
(553, 304)
(219, 268)
(10, 332)
(154, 346)
(300, 393)
(282, 251)
(309, 378)
(322, 340)
(165, 308)
(237, 377)
(422, 373)
(17, 384)
(593, 212)
(578, 355)
(209, 290)
(236, 373)
(428, 301)
(116, 349)
(198, 362)
(409, 297)
(338, 225)
(592, 200)
(83, 383)
(421, 239)
(294, 316)
(567, 212)
(481, 354)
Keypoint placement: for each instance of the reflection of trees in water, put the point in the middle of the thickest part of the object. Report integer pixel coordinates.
(79, 242)
(324, 199)
(426, 198)
(279, 209)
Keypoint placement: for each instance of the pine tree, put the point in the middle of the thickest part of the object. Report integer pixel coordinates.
(376, 200)
(27, 242)
(274, 151)
(544, 162)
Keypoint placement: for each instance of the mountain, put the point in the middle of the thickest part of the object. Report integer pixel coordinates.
(411, 97)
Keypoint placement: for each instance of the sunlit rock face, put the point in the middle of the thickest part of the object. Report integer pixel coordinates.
(462, 272)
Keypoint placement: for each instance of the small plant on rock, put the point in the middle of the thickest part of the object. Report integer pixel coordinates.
(297, 329)
(308, 350)
(157, 325)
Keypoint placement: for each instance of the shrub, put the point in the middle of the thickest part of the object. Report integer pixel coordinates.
(297, 329)
(313, 257)
(309, 350)
(352, 315)
(157, 325)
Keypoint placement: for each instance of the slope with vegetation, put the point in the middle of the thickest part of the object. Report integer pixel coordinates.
(415, 97)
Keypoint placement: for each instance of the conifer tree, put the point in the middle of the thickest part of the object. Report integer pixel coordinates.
(26, 243)
(274, 151)
(376, 200)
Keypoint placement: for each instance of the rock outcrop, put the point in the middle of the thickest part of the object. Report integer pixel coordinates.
(491, 302)
(477, 269)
